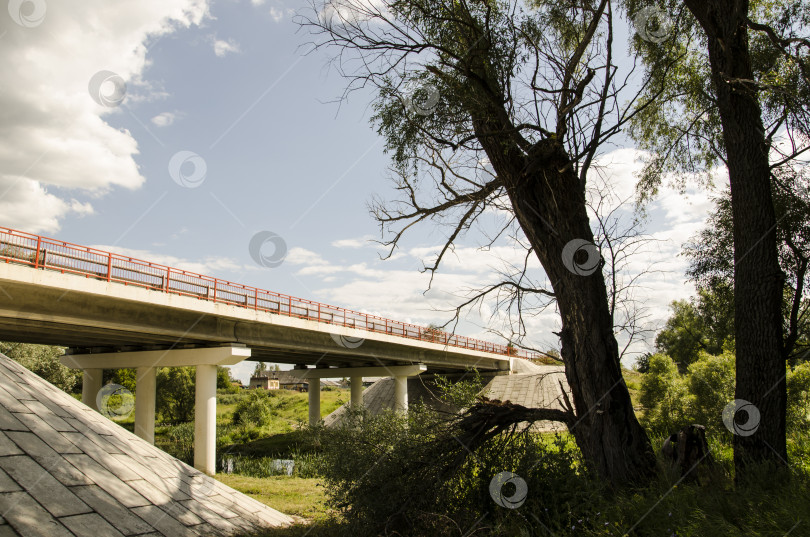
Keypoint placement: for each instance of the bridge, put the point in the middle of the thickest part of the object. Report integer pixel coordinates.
(112, 311)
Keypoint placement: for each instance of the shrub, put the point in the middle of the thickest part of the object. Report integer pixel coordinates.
(711, 386)
(410, 475)
(664, 395)
(254, 409)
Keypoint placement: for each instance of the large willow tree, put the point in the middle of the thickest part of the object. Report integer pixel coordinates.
(493, 105)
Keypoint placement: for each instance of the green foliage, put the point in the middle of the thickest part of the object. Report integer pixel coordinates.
(711, 256)
(672, 400)
(175, 394)
(663, 395)
(122, 377)
(253, 410)
(681, 128)
(798, 407)
(460, 394)
(305, 465)
(44, 361)
(224, 380)
(407, 475)
(702, 324)
(711, 386)
(177, 441)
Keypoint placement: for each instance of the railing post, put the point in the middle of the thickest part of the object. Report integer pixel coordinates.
(319, 312)
(255, 298)
(109, 267)
(168, 277)
(36, 259)
(215, 289)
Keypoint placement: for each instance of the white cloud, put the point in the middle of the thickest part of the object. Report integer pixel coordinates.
(359, 242)
(222, 48)
(52, 132)
(276, 14)
(164, 119)
(302, 256)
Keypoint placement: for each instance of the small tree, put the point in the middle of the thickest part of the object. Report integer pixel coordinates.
(224, 380)
(175, 393)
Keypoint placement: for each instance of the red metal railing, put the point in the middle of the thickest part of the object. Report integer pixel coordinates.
(51, 254)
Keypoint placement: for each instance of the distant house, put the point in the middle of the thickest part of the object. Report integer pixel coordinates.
(264, 382)
(286, 381)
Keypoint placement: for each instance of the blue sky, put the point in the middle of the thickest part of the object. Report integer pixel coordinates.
(229, 81)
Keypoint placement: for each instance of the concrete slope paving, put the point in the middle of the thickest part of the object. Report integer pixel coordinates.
(66, 470)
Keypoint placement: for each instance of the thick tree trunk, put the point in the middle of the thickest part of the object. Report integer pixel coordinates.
(549, 202)
(758, 279)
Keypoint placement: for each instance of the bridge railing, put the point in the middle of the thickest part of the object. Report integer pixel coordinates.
(50, 254)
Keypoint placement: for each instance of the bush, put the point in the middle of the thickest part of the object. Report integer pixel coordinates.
(254, 409)
(711, 386)
(664, 396)
(410, 475)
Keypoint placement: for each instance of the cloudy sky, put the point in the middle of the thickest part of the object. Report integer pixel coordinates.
(176, 130)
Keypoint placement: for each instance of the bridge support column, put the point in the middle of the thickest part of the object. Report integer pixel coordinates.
(91, 385)
(399, 372)
(145, 403)
(357, 392)
(314, 402)
(205, 419)
(401, 393)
